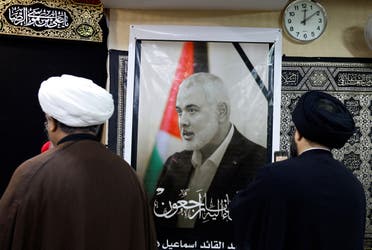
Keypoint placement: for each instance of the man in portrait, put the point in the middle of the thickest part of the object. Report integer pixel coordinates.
(197, 184)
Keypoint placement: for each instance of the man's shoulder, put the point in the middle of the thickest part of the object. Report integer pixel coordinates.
(284, 165)
(179, 157)
(245, 149)
(31, 166)
(24, 174)
(240, 140)
(291, 169)
(176, 170)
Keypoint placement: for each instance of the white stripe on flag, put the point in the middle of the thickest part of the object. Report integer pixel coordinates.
(167, 144)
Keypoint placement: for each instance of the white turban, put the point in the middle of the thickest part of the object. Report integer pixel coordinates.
(75, 101)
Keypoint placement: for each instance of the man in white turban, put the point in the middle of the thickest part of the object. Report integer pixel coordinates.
(75, 101)
(78, 194)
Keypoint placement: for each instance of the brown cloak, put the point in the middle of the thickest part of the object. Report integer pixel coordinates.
(78, 195)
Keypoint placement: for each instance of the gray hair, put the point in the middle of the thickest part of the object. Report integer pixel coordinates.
(213, 87)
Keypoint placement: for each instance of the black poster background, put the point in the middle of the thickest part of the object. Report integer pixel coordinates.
(24, 63)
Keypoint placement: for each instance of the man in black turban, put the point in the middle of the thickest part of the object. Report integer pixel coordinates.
(307, 202)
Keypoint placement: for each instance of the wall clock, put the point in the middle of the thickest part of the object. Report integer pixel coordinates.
(304, 20)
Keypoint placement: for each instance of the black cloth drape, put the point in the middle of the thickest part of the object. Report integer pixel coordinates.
(24, 63)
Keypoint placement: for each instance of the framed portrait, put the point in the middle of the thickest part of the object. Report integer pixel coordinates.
(202, 115)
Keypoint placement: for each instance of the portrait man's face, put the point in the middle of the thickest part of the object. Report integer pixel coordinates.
(197, 119)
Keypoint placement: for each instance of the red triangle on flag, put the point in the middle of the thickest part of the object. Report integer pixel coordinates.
(185, 68)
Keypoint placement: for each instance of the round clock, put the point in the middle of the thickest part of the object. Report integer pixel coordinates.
(304, 20)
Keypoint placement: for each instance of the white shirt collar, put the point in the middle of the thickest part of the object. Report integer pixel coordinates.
(312, 148)
(217, 155)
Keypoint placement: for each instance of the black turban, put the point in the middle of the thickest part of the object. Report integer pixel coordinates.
(324, 119)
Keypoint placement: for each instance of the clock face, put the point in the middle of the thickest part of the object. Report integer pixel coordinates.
(304, 20)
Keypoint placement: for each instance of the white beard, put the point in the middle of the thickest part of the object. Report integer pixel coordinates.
(202, 137)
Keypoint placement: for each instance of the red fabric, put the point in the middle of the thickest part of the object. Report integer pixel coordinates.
(45, 147)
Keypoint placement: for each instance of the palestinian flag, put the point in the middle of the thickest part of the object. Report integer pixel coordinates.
(193, 59)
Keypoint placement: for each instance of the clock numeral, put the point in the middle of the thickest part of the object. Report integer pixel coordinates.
(296, 7)
(312, 34)
(291, 28)
(320, 20)
(304, 5)
(297, 33)
(305, 36)
(318, 28)
(291, 13)
(311, 7)
(289, 21)
(318, 13)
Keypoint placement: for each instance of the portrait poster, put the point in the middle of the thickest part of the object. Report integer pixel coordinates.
(195, 145)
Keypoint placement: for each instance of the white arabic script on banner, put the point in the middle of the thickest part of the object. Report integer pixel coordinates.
(202, 208)
(38, 17)
(208, 244)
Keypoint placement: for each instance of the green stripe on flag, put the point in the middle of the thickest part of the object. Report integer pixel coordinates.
(153, 171)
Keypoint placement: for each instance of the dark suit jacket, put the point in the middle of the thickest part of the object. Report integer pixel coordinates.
(305, 203)
(237, 168)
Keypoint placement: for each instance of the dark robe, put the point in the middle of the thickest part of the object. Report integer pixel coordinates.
(310, 202)
(78, 195)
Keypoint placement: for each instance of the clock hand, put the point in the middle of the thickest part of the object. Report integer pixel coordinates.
(304, 21)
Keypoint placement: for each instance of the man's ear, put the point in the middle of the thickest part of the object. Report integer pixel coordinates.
(297, 136)
(223, 111)
(53, 124)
